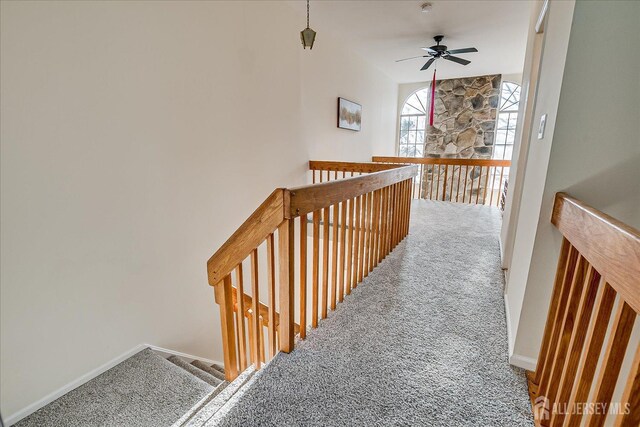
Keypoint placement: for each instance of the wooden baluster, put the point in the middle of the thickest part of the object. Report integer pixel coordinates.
(383, 225)
(369, 229)
(262, 341)
(252, 344)
(350, 247)
(571, 270)
(321, 172)
(316, 269)
(407, 213)
(335, 175)
(422, 183)
(325, 261)
(303, 276)
(286, 252)
(577, 333)
(479, 184)
(612, 360)
(334, 256)
(356, 247)
(242, 339)
(433, 167)
(438, 185)
(500, 187)
(561, 270)
(343, 236)
(376, 232)
(486, 186)
(631, 396)
(271, 277)
(458, 186)
(313, 176)
(224, 298)
(343, 174)
(363, 236)
(591, 353)
(466, 178)
(565, 325)
(255, 308)
(444, 183)
(389, 219)
(493, 183)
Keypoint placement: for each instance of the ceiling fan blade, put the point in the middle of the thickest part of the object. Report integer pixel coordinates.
(456, 59)
(466, 50)
(413, 57)
(428, 49)
(428, 64)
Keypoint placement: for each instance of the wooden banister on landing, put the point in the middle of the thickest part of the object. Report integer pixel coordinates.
(599, 263)
(474, 181)
(362, 219)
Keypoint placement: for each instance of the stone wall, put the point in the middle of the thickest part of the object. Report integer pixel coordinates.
(465, 118)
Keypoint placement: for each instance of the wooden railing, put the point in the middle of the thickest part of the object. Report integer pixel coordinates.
(476, 181)
(355, 223)
(323, 171)
(598, 274)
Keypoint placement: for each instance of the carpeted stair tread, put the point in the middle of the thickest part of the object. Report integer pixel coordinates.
(144, 390)
(208, 369)
(218, 367)
(199, 373)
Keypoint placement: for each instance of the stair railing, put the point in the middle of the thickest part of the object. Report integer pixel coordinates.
(355, 222)
(474, 181)
(599, 263)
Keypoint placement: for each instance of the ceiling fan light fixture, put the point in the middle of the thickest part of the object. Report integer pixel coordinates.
(307, 36)
(426, 7)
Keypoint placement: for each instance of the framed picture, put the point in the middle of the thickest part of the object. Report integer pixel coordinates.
(349, 115)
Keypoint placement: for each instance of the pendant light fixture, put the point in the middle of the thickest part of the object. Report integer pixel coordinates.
(307, 35)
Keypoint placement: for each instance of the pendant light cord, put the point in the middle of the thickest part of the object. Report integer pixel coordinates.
(307, 13)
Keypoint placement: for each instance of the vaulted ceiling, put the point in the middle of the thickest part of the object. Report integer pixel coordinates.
(383, 31)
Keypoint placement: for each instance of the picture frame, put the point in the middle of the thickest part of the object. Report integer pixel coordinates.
(349, 115)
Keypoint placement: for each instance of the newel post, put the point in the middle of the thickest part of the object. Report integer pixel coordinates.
(225, 301)
(286, 233)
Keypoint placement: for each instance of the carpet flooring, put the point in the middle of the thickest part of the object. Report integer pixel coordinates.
(421, 341)
(143, 391)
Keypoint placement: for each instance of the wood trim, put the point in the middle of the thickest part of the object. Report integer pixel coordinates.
(441, 161)
(310, 198)
(610, 246)
(262, 222)
(350, 166)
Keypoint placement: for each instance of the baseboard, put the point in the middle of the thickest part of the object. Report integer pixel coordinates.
(30, 409)
(523, 362)
(518, 360)
(507, 316)
(189, 357)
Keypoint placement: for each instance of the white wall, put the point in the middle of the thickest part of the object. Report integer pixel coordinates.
(591, 148)
(136, 137)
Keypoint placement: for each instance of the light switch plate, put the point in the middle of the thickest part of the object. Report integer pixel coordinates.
(543, 123)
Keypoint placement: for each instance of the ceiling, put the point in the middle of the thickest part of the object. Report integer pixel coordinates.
(383, 31)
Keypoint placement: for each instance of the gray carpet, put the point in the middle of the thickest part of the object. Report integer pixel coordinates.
(422, 341)
(144, 390)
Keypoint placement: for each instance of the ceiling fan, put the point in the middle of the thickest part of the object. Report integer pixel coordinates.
(440, 51)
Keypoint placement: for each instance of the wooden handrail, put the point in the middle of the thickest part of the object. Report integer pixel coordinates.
(309, 198)
(583, 345)
(349, 166)
(262, 222)
(441, 161)
(610, 246)
(371, 211)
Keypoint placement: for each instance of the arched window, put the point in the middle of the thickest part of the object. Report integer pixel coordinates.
(507, 118)
(413, 124)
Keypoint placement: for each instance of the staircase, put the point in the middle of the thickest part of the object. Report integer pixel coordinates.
(144, 390)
